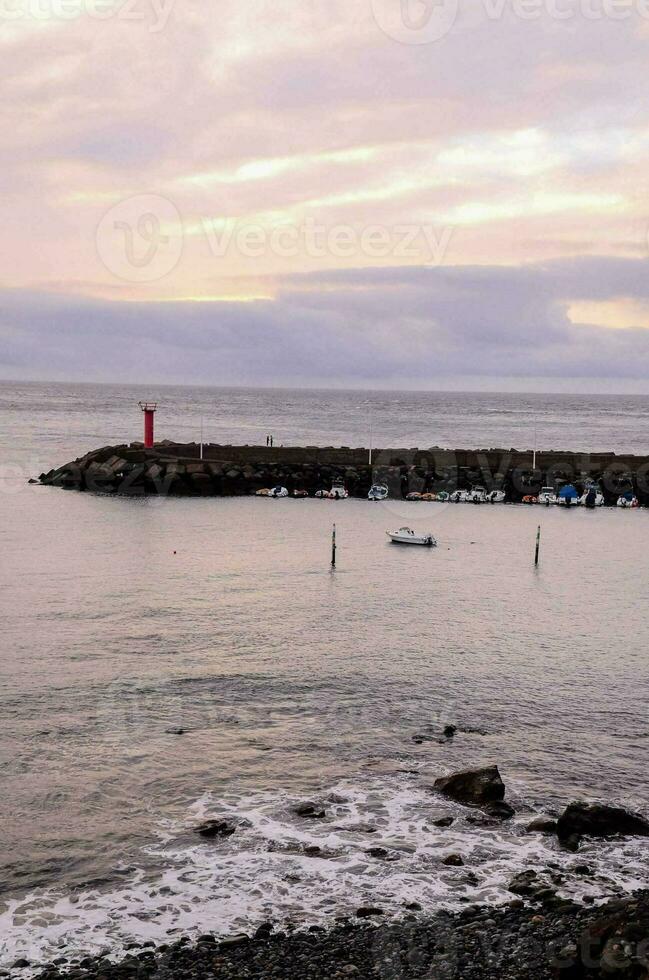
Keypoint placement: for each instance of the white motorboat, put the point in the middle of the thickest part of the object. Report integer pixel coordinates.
(459, 497)
(406, 535)
(477, 495)
(593, 496)
(378, 492)
(277, 492)
(628, 500)
(547, 496)
(338, 490)
(496, 497)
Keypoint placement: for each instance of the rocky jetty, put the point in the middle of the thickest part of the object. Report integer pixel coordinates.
(177, 469)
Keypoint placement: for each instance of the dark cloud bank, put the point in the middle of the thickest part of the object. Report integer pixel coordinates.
(410, 326)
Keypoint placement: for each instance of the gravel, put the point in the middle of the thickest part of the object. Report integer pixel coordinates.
(559, 940)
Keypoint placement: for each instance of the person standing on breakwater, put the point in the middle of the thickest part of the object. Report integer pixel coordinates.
(267, 441)
(271, 442)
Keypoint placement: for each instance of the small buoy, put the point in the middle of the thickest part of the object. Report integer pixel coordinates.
(175, 552)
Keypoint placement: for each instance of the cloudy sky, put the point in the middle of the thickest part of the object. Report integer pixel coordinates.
(379, 193)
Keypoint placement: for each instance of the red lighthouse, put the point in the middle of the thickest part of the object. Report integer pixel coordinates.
(149, 409)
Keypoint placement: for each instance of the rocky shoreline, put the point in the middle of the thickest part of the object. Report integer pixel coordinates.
(178, 469)
(539, 934)
(556, 940)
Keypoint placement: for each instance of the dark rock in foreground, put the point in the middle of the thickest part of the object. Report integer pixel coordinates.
(598, 820)
(310, 811)
(568, 942)
(216, 828)
(473, 786)
(542, 825)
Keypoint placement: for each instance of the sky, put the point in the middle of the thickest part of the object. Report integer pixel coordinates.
(370, 193)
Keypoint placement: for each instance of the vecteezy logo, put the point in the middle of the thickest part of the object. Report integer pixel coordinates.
(415, 21)
(141, 239)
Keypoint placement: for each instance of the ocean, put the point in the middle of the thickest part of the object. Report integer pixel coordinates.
(126, 620)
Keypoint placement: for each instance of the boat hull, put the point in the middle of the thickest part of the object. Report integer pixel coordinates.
(418, 540)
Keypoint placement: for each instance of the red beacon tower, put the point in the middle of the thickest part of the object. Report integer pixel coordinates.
(149, 409)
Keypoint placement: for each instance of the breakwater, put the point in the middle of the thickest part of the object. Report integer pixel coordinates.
(178, 469)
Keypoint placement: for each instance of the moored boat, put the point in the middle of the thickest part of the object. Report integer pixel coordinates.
(459, 497)
(378, 492)
(278, 492)
(405, 535)
(592, 496)
(496, 497)
(627, 500)
(477, 495)
(414, 496)
(547, 496)
(568, 496)
(338, 490)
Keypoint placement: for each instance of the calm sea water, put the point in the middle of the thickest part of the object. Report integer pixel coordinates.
(125, 618)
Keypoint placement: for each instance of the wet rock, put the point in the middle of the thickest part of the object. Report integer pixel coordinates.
(482, 820)
(230, 941)
(450, 731)
(473, 786)
(542, 825)
(337, 798)
(499, 810)
(444, 822)
(216, 828)
(264, 931)
(368, 911)
(598, 820)
(582, 869)
(309, 811)
(453, 861)
(21, 964)
(377, 852)
(525, 883)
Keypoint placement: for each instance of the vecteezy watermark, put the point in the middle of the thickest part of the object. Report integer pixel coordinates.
(141, 239)
(426, 21)
(154, 12)
(567, 9)
(315, 240)
(415, 21)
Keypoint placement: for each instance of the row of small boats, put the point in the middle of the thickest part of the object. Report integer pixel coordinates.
(477, 495)
(567, 496)
(338, 492)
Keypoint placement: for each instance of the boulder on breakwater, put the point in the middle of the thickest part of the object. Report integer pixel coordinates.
(177, 469)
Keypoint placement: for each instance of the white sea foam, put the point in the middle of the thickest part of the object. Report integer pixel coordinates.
(262, 873)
